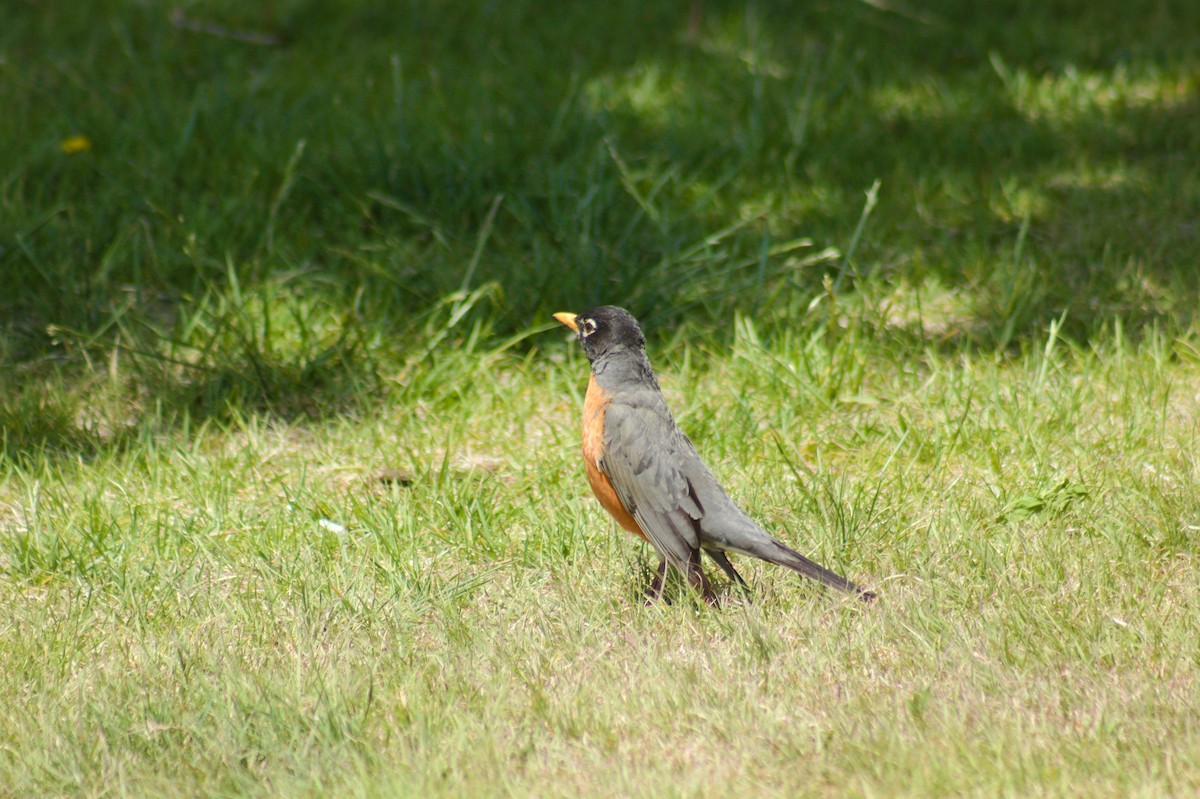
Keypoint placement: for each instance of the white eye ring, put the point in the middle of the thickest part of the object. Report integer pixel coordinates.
(587, 327)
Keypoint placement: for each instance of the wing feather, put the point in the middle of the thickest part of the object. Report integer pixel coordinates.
(641, 449)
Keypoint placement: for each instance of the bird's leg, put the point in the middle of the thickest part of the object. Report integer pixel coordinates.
(695, 576)
(722, 560)
(654, 592)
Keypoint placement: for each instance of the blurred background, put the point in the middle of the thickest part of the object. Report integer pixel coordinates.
(274, 204)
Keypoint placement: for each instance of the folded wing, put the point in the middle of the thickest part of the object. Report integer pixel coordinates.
(641, 449)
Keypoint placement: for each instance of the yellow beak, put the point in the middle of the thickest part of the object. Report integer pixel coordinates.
(567, 319)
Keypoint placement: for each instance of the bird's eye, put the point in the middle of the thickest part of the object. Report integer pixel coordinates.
(587, 327)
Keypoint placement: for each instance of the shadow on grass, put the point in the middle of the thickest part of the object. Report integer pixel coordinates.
(44, 420)
(686, 160)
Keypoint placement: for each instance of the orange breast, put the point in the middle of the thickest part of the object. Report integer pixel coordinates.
(594, 406)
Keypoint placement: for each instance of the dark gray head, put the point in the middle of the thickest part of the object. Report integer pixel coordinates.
(606, 331)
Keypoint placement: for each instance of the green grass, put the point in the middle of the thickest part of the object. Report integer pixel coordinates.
(290, 501)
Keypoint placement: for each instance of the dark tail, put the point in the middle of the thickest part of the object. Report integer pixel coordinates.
(785, 556)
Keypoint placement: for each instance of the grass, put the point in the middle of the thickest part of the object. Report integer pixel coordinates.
(289, 494)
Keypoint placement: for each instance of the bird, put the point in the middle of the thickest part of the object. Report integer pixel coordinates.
(648, 475)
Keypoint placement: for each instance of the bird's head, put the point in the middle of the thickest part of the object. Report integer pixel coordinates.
(604, 331)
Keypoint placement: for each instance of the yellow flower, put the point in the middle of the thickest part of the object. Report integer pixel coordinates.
(75, 144)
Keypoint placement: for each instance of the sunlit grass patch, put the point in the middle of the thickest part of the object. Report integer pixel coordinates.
(1067, 94)
(274, 589)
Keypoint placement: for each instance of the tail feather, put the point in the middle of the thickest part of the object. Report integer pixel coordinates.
(786, 556)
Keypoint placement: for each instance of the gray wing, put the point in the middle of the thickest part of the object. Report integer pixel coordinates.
(642, 450)
(675, 498)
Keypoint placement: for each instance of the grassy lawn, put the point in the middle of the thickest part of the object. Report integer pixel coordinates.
(290, 497)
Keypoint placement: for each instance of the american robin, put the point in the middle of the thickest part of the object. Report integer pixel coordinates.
(648, 475)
